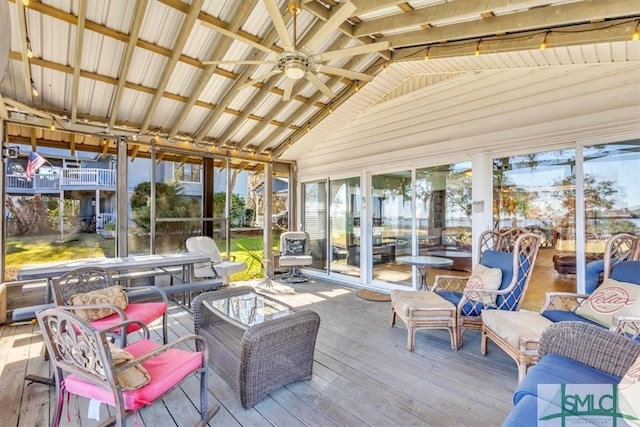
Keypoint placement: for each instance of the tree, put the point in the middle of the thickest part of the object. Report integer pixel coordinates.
(170, 203)
(29, 214)
(237, 207)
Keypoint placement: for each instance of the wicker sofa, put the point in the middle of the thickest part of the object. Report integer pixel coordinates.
(259, 359)
(571, 353)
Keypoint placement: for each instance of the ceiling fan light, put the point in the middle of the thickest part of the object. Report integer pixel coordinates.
(295, 71)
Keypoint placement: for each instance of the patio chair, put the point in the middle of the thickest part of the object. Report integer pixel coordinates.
(514, 253)
(218, 267)
(295, 253)
(129, 378)
(89, 291)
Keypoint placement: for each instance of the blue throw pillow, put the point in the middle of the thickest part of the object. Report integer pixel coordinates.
(627, 271)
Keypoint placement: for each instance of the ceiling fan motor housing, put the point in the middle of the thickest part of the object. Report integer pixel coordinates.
(294, 64)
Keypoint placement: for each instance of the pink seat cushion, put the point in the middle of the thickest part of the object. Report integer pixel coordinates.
(145, 312)
(165, 370)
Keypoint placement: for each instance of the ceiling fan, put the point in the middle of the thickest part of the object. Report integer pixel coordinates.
(297, 63)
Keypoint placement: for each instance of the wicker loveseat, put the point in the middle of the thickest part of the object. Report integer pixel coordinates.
(571, 353)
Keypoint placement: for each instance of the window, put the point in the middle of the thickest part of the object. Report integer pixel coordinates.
(188, 173)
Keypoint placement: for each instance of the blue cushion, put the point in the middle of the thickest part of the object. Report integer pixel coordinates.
(504, 261)
(469, 309)
(567, 316)
(501, 260)
(627, 271)
(524, 414)
(554, 369)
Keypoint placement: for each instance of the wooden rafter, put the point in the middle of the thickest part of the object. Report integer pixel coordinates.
(134, 152)
(223, 46)
(3, 108)
(32, 137)
(134, 33)
(72, 144)
(181, 40)
(75, 86)
(540, 19)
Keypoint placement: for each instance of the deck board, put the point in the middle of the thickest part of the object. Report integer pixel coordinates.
(363, 375)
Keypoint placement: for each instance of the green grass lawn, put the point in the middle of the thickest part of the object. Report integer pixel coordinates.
(25, 250)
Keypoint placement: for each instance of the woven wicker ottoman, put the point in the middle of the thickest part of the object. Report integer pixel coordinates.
(515, 332)
(423, 310)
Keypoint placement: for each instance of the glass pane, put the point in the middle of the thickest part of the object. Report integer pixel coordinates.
(391, 224)
(58, 209)
(612, 199)
(538, 192)
(314, 220)
(344, 222)
(443, 210)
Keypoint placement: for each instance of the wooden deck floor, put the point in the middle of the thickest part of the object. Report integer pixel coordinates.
(363, 376)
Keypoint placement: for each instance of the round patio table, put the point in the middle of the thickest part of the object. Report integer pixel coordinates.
(424, 263)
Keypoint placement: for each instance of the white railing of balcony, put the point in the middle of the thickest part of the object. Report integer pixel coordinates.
(100, 177)
(105, 218)
(37, 182)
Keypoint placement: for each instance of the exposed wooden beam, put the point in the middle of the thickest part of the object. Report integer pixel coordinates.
(181, 40)
(540, 19)
(75, 85)
(160, 156)
(602, 32)
(220, 50)
(134, 152)
(134, 33)
(32, 137)
(26, 68)
(3, 108)
(72, 144)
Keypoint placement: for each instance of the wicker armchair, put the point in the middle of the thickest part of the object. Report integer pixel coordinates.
(620, 250)
(514, 251)
(259, 359)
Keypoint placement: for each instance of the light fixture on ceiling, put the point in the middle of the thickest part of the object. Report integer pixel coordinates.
(477, 52)
(543, 45)
(29, 51)
(294, 64)
(636, 33)
(426, 55)
(34, 90)
(53, 126)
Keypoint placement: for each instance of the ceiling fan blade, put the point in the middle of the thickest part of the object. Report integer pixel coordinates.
(238, 37)
(352, 51)
(258, 79)
(279, 25)
(240, 61)
(320, 85)
(345, 11)
(288, 89)
(353, 75)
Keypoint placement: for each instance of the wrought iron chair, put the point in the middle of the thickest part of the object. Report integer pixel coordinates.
(218, 267)
(514, 252)
(295, 253)
(89, 279)
(87, 366)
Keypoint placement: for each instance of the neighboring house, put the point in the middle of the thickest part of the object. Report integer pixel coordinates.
(90, 180)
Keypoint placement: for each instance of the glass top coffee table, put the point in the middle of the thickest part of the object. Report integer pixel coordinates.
(247, 309)
(424, 264)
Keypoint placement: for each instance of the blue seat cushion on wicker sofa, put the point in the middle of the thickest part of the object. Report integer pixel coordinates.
(567, 316)
(627, 271)
(554, 369)
(524, 414)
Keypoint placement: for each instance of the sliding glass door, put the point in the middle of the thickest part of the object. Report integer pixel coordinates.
(344, 224)
(314, 221)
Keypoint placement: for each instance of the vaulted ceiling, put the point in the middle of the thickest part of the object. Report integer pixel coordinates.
(82, 71)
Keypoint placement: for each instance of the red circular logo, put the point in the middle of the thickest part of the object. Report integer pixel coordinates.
(609, 300)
